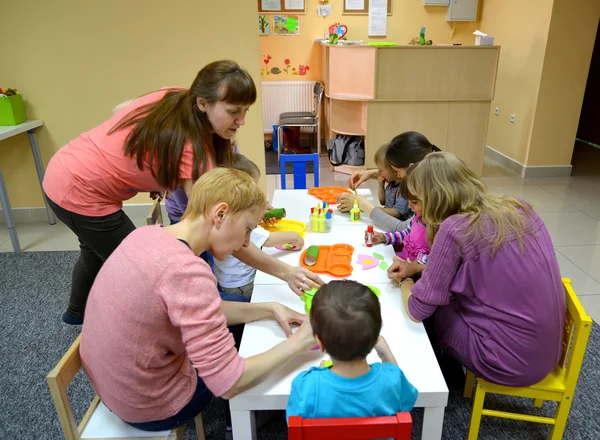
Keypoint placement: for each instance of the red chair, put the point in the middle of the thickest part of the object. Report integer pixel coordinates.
(360, 428)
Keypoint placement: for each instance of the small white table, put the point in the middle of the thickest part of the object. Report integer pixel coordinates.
(5, 133)
(408, 340)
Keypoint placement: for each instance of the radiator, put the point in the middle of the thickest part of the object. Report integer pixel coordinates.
(285, 96)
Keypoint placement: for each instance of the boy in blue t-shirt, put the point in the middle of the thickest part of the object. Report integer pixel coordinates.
(346, 321)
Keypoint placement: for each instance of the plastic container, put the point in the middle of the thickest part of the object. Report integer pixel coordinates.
(12, 111)
(369, 236)
(355, 213)
(328, 221)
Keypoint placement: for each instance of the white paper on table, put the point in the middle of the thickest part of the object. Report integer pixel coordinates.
(355, 5)
(271, 5)
(324, 10)
(377, 18)
(294, 4)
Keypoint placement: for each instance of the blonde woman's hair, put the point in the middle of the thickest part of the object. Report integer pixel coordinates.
(242, 163)
(380, 159)
(234, 187)
(446, 186)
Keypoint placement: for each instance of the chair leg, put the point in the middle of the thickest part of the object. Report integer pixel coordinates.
(468, 392)
(476, 412)
(538, 403)
(180, 432)
(319, 136)
(561, 416)
(200, 427)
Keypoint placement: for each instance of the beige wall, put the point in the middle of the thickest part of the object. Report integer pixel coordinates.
(73, 61)
(544, 62)
(568, 53)
(521, 29)
(404, 24)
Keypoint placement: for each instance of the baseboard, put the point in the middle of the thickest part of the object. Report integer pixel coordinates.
(504, 160)
(527, 171)
(38, 214)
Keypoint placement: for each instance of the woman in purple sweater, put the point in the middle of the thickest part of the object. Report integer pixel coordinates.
(492, 283)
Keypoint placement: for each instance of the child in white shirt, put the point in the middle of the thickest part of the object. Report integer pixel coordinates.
(235, 277)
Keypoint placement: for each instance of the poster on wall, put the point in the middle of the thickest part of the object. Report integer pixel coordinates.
(377, 18)
(264, 26)
(294, 4)
(271, 5)
(286, 25)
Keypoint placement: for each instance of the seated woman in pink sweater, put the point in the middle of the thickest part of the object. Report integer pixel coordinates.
(491, 284)
(155, 343)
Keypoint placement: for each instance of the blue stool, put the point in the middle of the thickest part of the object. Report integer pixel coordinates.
(299, 161)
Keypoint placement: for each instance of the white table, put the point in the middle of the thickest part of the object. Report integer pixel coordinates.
(408, 340)
(5, 133)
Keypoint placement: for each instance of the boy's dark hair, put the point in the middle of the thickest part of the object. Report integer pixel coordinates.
(409, 147)
(346, 316)
(242, 163)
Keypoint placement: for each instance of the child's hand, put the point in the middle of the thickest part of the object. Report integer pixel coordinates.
(381, 181)
(378, 237)
(401, 269)
(383, 350)
(297, 242)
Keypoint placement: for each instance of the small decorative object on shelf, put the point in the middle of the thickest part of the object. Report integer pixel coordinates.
(12, 111)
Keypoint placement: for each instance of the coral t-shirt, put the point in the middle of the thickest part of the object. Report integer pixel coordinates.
(92, 176)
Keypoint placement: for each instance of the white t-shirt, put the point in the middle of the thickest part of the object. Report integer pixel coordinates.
(232, 272)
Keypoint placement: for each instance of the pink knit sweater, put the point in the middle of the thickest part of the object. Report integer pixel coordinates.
(152, 324)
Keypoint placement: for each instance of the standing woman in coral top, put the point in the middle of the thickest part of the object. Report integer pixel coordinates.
(161, 141)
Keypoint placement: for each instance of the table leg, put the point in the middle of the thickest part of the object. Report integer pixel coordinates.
(243, 424)
(433, 420)
(8, 214)
(37, 158)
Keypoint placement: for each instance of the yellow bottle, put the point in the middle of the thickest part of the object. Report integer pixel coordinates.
(355, 212)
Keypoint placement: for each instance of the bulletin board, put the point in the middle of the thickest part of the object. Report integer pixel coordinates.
(365, 10)
(272, 5)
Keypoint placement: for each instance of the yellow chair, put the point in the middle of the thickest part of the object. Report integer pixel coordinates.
(558, 386)
(98, 422)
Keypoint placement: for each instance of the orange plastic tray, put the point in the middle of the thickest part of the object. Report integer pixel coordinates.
(328, 193)
(336, 260)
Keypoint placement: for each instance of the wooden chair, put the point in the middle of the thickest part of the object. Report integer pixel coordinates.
(155, 215)
(558, 386)
(359, 428)
(98, 422)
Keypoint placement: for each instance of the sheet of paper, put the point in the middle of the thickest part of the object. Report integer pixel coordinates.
(377, 18)
(324, 10)
(294, 4)
(355, 5)
(271, 5)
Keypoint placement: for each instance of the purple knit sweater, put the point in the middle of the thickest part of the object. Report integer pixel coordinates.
(502, 317)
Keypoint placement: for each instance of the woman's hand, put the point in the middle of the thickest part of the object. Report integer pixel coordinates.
(401, 269)
(286, 316)
(300, 280)
(378, 237)
(359, 177)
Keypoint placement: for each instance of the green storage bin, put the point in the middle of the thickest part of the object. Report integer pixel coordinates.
(12, 111)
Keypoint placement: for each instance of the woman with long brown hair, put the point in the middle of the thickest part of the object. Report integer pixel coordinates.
(161, 141)
(491, 294)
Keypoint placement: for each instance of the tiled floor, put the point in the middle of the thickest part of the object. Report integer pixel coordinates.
(569, 206)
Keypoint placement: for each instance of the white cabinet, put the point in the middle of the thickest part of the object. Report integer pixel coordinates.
(462, 10)
(436, 2)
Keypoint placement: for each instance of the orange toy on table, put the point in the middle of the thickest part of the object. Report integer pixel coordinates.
(335, 260)
(328, 193)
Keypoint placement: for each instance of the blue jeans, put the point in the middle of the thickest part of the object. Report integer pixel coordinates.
(202, 396)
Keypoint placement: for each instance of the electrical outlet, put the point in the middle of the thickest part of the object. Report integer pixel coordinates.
(513, 118)
(497, 111)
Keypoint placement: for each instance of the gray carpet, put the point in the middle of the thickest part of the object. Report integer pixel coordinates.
(34, 288)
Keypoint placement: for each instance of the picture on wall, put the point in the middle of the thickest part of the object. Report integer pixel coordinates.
(264, 25)
(286, 25)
